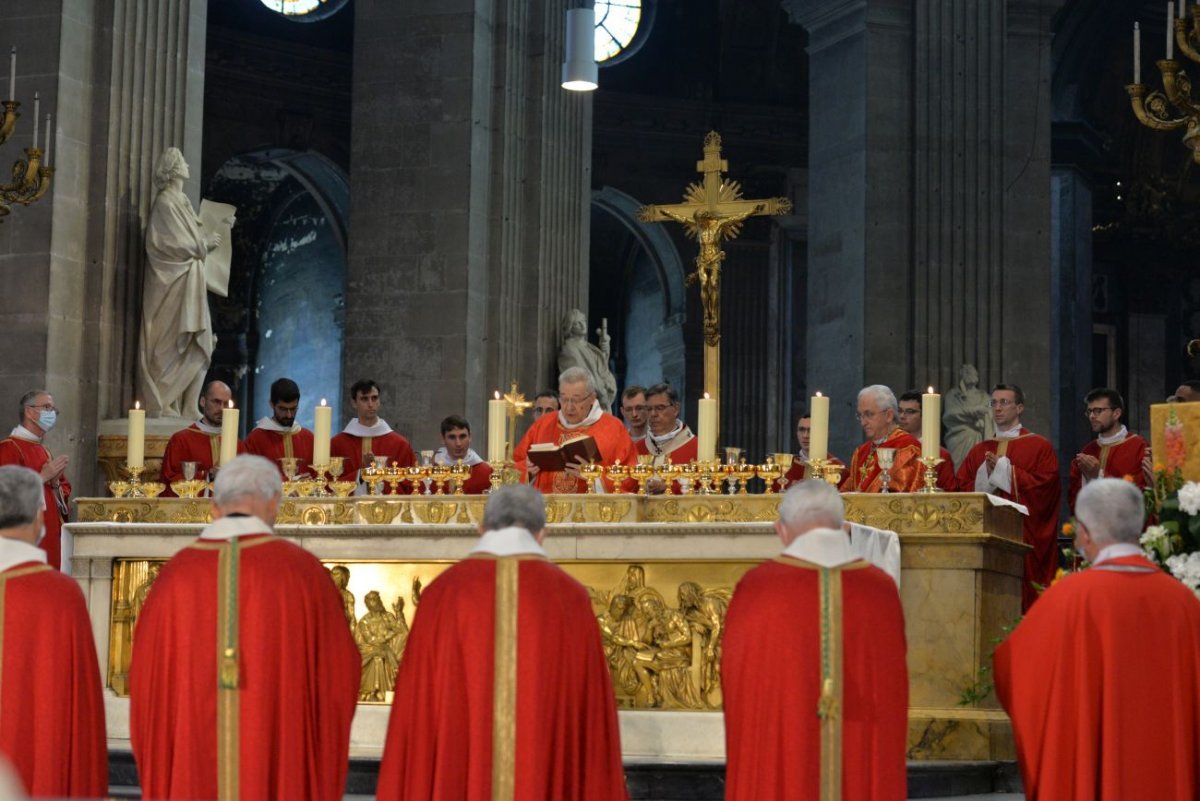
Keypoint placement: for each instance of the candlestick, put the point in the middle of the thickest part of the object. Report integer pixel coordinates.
(497, 418)
(1137, 53)
(135, 449)
(12, 73)
(706, 425)
(818, 438)
(37, 105)
(930, 464)
(1170, 31)
(931, 424)
(229, 429)
(322, 426)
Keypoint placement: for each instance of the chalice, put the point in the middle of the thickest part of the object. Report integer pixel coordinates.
(769, 472)
(886, 457)
(591, 473)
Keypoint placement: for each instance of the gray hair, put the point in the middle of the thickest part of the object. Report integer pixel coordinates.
(27, 400)
(247, 477)
(577, 375)
(1112, 510)
(515, 505)
(811, 504)
(168, 167)
(21, 496)
(883, 396)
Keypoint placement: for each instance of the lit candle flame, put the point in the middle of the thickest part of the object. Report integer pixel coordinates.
(137, 404)
(706, 396)
(323, 403)
(498, 395)
(819, 393)
(231, 403)
(931, 390)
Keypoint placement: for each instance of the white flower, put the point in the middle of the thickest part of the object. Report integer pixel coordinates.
(1186, 568)
(1189, 498)
(1156, 542)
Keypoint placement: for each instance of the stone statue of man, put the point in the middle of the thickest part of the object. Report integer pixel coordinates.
(177, 338)
(966, 414)
(576, 351)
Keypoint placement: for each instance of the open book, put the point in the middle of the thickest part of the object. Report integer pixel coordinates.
(548, 456)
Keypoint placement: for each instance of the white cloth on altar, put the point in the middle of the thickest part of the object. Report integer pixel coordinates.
(878, 546)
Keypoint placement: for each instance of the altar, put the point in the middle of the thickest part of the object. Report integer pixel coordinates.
(961, 567)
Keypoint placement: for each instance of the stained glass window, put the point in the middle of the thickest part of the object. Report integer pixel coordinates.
(616, 24)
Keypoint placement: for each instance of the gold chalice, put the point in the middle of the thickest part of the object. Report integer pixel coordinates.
(119, 489)
(152, 489)
(688, 475)
(188, 488)
(440, 473)
(785, 461)
(770, 471)
(290, 466)
(590, 473)
(342, 489)
(416, 475)
(337, 466)
(460, 472)
(743, 474)
(316, 485)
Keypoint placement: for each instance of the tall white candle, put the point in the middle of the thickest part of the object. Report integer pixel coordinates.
(229, 429)
(135, 443)
(706, 423)
(36, 107)
(12, 73)
(818, 436)
(1170, 31)
(931, 424)
(1137, 53)
(497, 420)
(322, 426)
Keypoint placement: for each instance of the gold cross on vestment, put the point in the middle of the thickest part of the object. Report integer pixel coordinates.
(712, 211)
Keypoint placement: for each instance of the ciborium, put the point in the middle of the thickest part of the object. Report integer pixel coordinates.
(642, 471)
(395, 476)
(770, 471)
(591, 473)
(461, 471)
(617, 473)
(743, 474)
(440, 474)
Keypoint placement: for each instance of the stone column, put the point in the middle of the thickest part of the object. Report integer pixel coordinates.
(1071, 274)
(123, 80)
(929, 217)
(469, 181)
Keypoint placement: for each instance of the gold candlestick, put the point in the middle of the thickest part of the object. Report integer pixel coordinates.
(931, 463)
(319, 471)
(497, 474)
(816, 468)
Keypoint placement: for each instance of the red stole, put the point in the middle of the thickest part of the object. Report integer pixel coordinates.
(34, 455)
(1117, 460)
(504, 691)
(271, 717)
(276, 445)
(51, 704)
(1102, 682)
(907, 474)
(611, 437)
(815, 684)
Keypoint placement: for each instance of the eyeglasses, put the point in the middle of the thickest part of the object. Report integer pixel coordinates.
(576, 401)
(660, 408)
(1002, 403)
(45, 407)
(860, 416)
(1096, 411)
(908, 412)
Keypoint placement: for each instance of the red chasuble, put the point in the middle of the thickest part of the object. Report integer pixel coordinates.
(503, 692)
(273, 722)
(799, 471)
(1036, 485)
(816, 685)
(275, 445)
(907, 474)
(1102, 682)
(351, 448)
(681, 450)
(610, 434)
(191, 445)
(34, 455)
(946, 481)
(1118, 460)
(51, 707)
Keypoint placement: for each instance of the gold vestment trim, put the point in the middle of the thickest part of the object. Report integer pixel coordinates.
(366, 446)
(287, 445)
(214, 444)
(829, 707)
(504, 688)
(227, 671)
(4, 577)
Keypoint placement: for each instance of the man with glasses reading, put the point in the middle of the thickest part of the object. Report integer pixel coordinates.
(1115, 453)
(1021, 466)
(877, 409)
(37, 415)
(910, 420)
(581, 415)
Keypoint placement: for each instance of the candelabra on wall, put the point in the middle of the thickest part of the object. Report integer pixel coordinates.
(33, 174)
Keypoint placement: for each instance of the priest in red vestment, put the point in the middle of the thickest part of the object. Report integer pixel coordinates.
(280, 436)
(1102, 676)
(813, 664)
(1115, 453)
(580, 414)
(51, 702)
(504, 690)
(799, 471)
(668, 439)
(201, 441)
(244, 676)
(877, 411)
(910, 420)
(369, 435)
(456, 446)
(1021, 466)
(24, 447)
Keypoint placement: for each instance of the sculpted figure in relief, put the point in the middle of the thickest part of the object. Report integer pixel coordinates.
(966, 414)
(576, 351)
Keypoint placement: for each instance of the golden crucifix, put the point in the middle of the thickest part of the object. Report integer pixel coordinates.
(516, 407)
(712, 211)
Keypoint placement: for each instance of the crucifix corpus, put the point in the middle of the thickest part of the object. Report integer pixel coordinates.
(712, 211)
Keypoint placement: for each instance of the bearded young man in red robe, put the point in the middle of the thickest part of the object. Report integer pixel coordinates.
(668, 439)
(813, 666)
(24, 447)
(367, 434)
(911, 419)
(877, 408)
(244, 676)
(51, 704)
(504, 690)
(1020, 466)
(580, 414)
(800, 471)
(280, 436)
(1102, 676)
(1115, 453)
(456, 445)
(201, 441)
